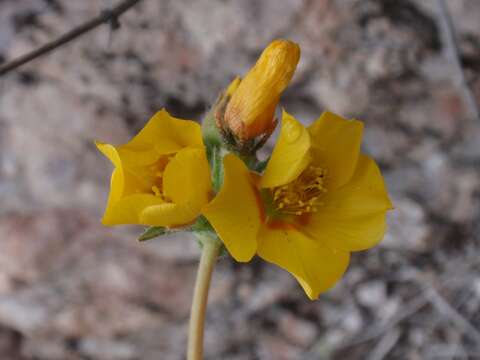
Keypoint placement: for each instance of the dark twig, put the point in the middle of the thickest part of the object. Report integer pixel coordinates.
(106, 17)
(452, 52)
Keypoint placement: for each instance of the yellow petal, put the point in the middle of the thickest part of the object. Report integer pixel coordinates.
(186, 179)
(166, 134)
(251, 109)
(110, 153)
(116, 187)
(126, 180)
(291, 154)
(123, 184)
(128, 210)
(134, 158)
(128, 191)
(352, 218)
(117, 180)
(168, 214)
(335, 147)
(235, 212)
(186, 182)
(315, 266)
(233, 86)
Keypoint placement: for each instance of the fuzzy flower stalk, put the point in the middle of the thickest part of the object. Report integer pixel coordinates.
(314, 202)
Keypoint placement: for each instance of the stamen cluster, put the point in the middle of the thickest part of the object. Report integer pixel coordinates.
(301, 196)
(157, 170)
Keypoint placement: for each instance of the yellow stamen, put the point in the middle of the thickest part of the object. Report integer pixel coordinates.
(156, 175)
(156, 190)
(302, 194)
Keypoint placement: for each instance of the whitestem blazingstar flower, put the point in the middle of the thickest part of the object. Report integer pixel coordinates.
(318, 200)
(161, 176)
(314, 202)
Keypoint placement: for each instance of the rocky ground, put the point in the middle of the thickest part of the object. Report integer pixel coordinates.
(72, 289)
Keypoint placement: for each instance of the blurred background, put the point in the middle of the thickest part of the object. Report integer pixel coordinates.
(73, 289)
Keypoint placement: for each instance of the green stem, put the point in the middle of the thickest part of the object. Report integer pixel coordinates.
(210, 251)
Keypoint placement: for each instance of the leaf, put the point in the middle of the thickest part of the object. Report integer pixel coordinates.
(153, 232)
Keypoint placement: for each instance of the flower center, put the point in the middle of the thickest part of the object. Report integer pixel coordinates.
(157, 170)
(301, 196)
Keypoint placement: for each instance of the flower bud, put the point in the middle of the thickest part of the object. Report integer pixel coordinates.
(251, 109)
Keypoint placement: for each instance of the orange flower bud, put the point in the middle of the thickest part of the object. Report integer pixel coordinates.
(251, 109)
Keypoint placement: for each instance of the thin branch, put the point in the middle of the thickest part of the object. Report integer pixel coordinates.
(452, 52)
(449, 311)
(408, 310)
(109, 16)
(388, 341)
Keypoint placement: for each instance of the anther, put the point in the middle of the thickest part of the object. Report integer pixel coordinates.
(302, 194)
(156, 190)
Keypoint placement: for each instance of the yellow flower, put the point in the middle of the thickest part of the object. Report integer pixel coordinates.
(251, 110)
(318, 200)
(161, 177)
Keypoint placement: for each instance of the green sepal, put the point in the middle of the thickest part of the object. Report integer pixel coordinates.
(204, 231)
(223, 251)
(210, 131)
(250, 160)
(203, 236)
(153, 232)
(217, 168)
(261, 165)
(202, 225)
(215, 159)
